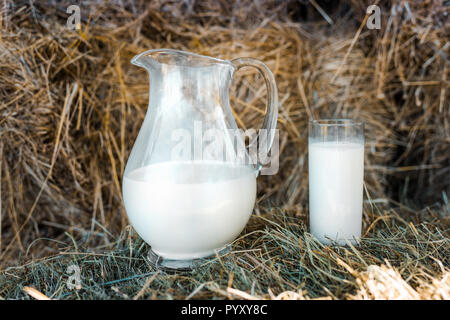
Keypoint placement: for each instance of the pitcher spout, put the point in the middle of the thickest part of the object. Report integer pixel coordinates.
(145, 60)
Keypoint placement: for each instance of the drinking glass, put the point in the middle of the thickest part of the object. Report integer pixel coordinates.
(336, 170)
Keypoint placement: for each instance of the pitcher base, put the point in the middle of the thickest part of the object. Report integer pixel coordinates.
(167, 264)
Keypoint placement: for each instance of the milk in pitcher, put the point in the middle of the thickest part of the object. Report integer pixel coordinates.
(188, 210)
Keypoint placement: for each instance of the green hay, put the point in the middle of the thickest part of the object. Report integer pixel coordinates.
(275, 258)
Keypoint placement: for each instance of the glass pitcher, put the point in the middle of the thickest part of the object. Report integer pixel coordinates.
(189, 185)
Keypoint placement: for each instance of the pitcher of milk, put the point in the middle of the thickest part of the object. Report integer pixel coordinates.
(189, 186)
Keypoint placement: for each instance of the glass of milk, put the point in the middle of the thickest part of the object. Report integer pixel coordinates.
(336, 170)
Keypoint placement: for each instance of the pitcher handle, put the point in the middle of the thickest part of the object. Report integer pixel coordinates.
(270, 118)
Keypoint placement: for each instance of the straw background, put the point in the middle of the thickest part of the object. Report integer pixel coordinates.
(71, 105)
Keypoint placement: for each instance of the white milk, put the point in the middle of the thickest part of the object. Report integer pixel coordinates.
(187, 210)
(336, 190)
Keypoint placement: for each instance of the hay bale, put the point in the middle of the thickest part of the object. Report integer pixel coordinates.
(274, 259)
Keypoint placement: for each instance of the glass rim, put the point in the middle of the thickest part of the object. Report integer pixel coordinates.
(336, 122)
